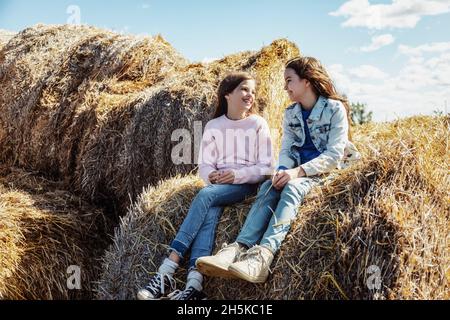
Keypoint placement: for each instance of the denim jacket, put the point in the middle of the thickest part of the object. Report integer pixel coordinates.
(328, 125)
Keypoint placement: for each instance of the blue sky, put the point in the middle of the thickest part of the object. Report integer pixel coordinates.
(393, 55)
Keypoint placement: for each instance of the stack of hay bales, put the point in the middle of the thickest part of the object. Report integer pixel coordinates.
(43, 231)
(66, 86)
(178, 102)
(98, 109)
(380, 230)
(143, 150)
(95, 111)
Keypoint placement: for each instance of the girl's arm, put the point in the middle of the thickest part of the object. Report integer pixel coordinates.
(208, 155)
(337, 140)
(264, 165)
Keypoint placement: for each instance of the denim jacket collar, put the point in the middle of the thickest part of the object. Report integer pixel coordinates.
(316, 111)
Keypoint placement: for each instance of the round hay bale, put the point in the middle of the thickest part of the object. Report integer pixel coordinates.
(98, 109)
(43, 231)
(46, 73)
(379, 230)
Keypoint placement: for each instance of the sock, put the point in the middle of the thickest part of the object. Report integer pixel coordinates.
(195, 280)
(168, 267)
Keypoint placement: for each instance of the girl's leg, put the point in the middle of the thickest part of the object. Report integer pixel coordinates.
(254, 267)
(292, 196)
(259, 216)
(211, 196)
(253, 229)
(204, 242)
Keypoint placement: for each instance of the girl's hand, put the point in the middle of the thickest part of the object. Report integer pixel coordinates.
(280, 180)
(225, 177)
(213, 176)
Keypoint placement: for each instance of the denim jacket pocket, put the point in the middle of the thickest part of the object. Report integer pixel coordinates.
(295, 125)
(323, 129)
(320, 137)
(297, 129)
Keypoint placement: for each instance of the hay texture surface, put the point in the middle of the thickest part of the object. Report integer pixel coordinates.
(380, 230)
(43, 231)
(97, 109)
(5, 35)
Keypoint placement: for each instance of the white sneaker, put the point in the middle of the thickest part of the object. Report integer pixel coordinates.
(254, 265)
(217, 265)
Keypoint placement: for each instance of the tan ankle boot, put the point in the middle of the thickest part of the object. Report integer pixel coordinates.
(254, 265)
(217, 265)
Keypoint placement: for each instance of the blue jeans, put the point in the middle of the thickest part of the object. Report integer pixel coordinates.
(199, 227)
(270, 217)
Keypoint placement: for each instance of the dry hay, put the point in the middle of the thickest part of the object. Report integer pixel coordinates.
(98, 109)
(5, 35)
(43, 231)
(389, 211)
(46, 74)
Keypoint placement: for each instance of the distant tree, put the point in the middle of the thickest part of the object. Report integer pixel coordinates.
(441, 111)
(359, 113)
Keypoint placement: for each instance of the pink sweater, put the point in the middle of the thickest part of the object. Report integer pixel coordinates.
(243, 146)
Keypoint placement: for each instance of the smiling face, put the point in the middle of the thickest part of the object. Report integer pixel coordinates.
(242, 98)
(294, 85)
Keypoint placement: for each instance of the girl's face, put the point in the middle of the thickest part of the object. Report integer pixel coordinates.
(294, 86)
(243, 97)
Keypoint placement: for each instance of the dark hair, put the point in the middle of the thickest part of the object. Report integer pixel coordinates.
(227, 86)
(311, 69)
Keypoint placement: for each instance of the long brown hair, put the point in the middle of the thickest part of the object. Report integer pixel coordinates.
(311, 69)
(227, 86)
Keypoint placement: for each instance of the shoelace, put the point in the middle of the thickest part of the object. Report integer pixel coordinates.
(252, 253)
(254, 256)
(158, 282)
(181, 295)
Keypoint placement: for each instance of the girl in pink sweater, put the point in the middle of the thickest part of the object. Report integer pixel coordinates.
(235, 156)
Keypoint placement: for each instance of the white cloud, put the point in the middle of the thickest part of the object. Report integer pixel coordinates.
(434, 47)
(145, 6)
(398, 14)
(368, 72)
(421, 86)
(379, 42)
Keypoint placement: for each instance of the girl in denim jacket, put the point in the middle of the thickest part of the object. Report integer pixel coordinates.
(315, 141)
(232, 170)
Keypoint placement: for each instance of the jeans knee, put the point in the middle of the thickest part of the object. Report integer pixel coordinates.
(296, 189)
(206, 192)
(204, 196)
(266, 186)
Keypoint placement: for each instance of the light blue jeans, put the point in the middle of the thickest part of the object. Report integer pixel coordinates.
(199, 227)
(271, 215)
